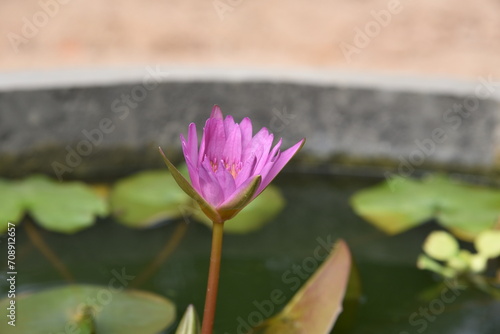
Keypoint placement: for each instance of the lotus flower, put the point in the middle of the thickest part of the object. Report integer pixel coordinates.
(230, 168)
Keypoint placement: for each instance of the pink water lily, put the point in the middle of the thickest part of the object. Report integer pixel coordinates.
(230, 167)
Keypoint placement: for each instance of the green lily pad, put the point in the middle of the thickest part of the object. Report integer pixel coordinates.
(61, 207)
(466, 210)
(395, 209)
(113, 311)
(255, 215)
(316, 306)
(146, 198)
(11, 204)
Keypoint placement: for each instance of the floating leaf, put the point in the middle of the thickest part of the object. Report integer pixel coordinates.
(62, 207)
(395, 207)
(316, 306)
(488, 243)
(256, 214)
(85, 323)
(63, 310)
(147, 198)
(11, 204)
(401, 204)
(190, 323)
(441, 245)
(466, 210)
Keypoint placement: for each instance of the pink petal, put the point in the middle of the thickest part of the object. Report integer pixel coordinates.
(190, 146)
(210, 131)
(225, 180)
(259, 146)
(202, 152)
(229, 125)
(216, 112)
(232, 146)
(209, 185)
(246, 171)
(273, 155)
(193, 174)
(246, 133)
(190, 149)
(215, 139)
(264, 145)
(278, 165)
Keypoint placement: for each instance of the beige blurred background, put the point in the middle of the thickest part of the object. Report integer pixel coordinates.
(427, 37)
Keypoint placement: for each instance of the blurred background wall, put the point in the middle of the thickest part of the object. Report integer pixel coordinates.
(428, 37)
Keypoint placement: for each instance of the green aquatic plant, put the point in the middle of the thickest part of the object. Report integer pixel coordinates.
(443, 255)
(78, 308)
(399, 204)
(61, 207)
(141, 200)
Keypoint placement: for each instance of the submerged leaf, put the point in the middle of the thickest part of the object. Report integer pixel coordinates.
(147, 198)
(316, 306)
(59, 310)
(396, 206)
(256, 214)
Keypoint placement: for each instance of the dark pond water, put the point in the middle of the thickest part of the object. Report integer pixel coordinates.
(256, 264)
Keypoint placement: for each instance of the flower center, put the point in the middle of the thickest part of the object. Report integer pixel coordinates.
(233, 168)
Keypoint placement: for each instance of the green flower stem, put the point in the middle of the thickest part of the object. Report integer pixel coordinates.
(213, 279)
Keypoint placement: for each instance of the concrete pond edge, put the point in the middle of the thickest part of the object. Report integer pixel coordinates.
(104, 123)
